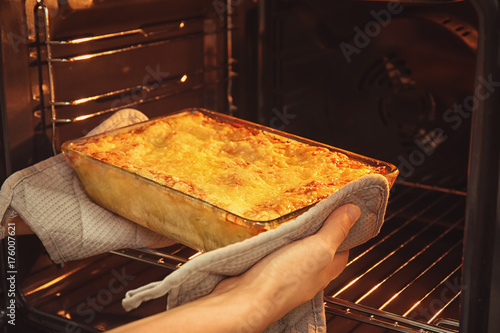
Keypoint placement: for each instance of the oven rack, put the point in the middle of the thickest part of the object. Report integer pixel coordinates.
(164, 259)
(213, 72)
(417, 286)
(387, 320)
(419, 250)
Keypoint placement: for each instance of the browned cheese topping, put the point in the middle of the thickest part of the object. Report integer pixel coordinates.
(253, 174)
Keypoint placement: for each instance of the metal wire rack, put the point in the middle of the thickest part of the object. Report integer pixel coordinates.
(408, 278)
(58, 59)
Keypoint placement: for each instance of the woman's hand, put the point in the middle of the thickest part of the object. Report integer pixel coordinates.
(295, 273)
(271, 288)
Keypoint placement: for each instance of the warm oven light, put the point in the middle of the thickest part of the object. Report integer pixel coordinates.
(63, 313)
(83, 57)
(82, 117)
(80, 101)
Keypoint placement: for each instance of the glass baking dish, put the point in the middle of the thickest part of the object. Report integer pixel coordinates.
(182, 217)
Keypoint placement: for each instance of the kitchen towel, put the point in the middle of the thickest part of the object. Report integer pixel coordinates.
(51, 200)
(199, 276)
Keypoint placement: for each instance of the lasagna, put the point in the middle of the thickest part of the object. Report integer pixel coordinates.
(251, 173)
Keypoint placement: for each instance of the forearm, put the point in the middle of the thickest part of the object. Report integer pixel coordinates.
(227, 309)
(247, 303)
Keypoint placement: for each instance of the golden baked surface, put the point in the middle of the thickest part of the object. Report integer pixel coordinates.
(255, 175)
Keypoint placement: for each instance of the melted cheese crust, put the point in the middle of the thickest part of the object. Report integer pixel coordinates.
(253, 174)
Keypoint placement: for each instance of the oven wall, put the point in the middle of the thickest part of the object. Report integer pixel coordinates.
(388, 92)
(481, 297)
(18, 144)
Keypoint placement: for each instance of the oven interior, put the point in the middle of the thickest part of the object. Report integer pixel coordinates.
(383, 79)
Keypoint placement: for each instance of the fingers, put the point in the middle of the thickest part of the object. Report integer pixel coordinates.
(338, 224)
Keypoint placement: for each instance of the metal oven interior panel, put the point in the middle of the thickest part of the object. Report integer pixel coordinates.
(388, 96)
(277, 63)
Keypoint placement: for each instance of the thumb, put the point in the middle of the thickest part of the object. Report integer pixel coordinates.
(338, 224)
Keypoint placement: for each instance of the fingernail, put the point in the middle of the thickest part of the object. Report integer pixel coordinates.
(354, 212)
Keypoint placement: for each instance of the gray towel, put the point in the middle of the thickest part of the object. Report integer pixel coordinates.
(51, 200)
(199, 276)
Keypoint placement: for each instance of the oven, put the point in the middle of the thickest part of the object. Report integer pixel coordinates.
(414, 83)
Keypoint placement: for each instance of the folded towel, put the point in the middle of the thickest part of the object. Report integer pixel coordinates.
(51, 200)
(199, 276)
